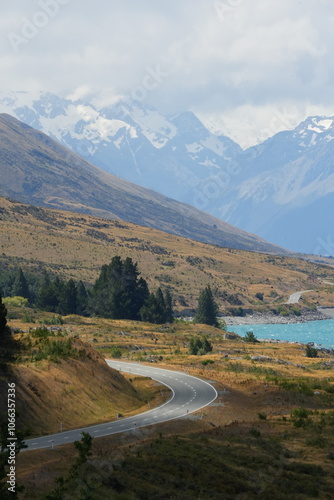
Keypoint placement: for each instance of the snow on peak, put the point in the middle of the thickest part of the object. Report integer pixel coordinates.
(315, 129)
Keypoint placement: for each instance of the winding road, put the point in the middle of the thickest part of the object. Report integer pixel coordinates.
(189, 394)
(295, 297)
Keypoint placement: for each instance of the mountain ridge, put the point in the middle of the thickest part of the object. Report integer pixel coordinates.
(272, 189)
(38, 170)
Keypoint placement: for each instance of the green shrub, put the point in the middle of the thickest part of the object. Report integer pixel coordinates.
(235, 367)
(199, 346)
(116, 352)
(28, 318)
(42, 333)
(250, 337)
(54, 320)
(15, 302)
(206, 362)
(311, 352)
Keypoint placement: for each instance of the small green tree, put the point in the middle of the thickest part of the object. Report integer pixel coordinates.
(20, 286)
(251, 338)
(84, 448)
(199, 346)
(311, 352)
(207, 308)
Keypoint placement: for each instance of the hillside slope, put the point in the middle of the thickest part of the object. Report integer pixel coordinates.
(37, 170)
(76, 246)
(79, 390)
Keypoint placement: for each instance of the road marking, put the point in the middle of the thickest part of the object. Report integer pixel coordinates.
(175, 413)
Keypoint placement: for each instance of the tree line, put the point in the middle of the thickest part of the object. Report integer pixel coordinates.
(119, 292)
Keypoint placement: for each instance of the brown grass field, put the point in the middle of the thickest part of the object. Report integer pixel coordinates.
(76, 246)
(259, 387)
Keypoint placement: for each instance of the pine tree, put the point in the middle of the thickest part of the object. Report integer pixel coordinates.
(81, 299)
(67, 302)
(118, 293)
(20, 286)
(47, 297)
(3, 318)
(169, 317)
(207, 308)
(158, 308)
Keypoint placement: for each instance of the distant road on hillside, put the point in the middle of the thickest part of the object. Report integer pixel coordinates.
(295, 297)
(188, 394)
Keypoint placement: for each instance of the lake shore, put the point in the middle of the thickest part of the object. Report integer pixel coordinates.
(273, 319)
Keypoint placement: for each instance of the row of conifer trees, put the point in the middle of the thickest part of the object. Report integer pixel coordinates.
(118, 293)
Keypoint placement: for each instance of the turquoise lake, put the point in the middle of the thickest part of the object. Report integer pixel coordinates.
(319, 332)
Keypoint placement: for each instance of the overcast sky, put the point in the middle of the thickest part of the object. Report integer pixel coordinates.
(254, 66)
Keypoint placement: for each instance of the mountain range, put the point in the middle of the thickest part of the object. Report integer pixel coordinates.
(37, 170)
(281, 190)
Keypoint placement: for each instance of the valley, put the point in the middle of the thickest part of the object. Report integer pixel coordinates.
(76, 246)
(281, 189)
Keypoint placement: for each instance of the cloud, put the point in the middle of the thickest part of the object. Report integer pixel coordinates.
(221, 56)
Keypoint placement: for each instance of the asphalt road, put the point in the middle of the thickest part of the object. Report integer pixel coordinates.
(295, 297)
(188, 394)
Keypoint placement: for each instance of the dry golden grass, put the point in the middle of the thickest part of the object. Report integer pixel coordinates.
(76, 246)
(244, 393)
(72, 392)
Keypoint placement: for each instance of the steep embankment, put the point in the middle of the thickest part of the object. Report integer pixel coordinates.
(71, 391)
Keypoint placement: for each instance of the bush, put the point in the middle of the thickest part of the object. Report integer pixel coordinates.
(15, 302)
(54, 320)
(250, 337)
(311, 352)
(42, 333)
(236, 311)
(116, 352)
(206, 362)
(300, 417)
(199, 346)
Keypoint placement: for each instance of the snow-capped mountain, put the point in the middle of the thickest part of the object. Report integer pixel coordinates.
(282, 189)
(286, 192)
(170, 155)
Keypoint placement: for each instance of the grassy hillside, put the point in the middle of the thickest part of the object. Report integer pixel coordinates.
(74, 245)
(38, 170)
(73, 386)
(268, 435)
